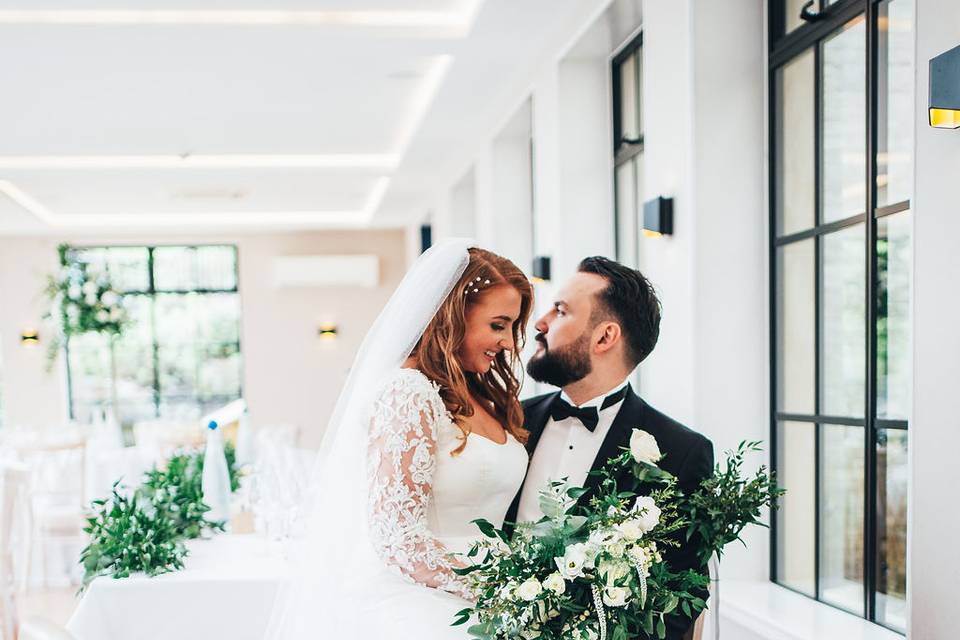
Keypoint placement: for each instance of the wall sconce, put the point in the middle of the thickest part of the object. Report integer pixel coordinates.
(426, 237)
(658, 217)
(945, 90)
(29, 337)
(327, 331)
(541, 269)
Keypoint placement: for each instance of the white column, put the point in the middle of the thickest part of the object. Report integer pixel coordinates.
(933, 558)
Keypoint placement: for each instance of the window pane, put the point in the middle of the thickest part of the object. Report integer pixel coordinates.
(793, 19)
(895, 119)
(129, 269)
(843, 359)
(134, 360)
(626, 213)
(796, 339)
(628, 98)
(175, 268)
(892, 475)
(894, 379)
(796, 465)
(216, 268)
(841, 516)
(844, 124)
(795, 189)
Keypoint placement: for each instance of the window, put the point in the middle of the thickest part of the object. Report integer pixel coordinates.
(841, 171)
(180, 356)
(628, 149)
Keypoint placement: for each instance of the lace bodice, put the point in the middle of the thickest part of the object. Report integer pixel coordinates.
(422, 499)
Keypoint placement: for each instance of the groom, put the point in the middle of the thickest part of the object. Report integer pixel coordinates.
(604, 322)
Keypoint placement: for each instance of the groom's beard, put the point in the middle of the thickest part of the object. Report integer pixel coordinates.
(563, 365)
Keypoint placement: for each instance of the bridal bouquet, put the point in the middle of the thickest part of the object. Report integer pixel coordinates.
(597, 572)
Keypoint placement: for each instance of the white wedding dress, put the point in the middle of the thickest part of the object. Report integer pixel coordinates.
(388, 503)
(422, 501)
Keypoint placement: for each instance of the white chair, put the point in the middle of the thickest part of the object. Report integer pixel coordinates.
(57, 501)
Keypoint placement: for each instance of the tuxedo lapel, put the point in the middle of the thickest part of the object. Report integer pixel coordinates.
(536, 419)
(628, 417)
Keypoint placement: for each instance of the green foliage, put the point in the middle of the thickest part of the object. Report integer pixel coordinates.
(146, 530)
(727, 502)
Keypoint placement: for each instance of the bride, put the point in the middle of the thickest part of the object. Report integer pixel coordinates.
(427, 436)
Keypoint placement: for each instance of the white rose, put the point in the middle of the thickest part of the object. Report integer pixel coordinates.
(74, 292)
(613, 570)
(115, 314)
(615, 596)
(530, 589)
(555, 583)
(90, 299)
(109, 298)
(102, 316)
(643, 447)
(89, 287)
(631, 530)
(649, 513)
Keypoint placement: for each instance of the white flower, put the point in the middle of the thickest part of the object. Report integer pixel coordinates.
(73, 314)
(649, 513)
(89, 287)
(615, 596)
(90, 299)
(631, 530)
(576, 558)
(530, 589)
(613, 570)
(74, 292)
(109, 298)
(638, 554)
(102, 316)
(555, 582)
(643, 447)
(115, 314)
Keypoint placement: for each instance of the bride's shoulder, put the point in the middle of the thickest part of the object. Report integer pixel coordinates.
(406, 380)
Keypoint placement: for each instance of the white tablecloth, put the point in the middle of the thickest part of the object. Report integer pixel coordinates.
(226, 590)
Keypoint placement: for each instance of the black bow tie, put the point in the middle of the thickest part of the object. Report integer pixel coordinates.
(589, 416)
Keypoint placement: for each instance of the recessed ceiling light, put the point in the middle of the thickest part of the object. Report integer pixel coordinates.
(381, 161)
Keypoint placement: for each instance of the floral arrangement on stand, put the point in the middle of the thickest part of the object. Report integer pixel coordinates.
(82, 300)
(596, 571)
(145, 530)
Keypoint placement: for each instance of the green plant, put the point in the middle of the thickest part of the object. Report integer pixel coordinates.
(145, 530)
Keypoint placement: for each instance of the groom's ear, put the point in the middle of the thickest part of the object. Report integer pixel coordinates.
(609, 337)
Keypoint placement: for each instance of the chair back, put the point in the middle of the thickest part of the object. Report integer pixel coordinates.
(13, 483)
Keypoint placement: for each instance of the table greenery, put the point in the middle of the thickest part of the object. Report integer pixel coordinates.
(145, 530)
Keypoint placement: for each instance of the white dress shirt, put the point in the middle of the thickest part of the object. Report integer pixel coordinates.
(566, 449)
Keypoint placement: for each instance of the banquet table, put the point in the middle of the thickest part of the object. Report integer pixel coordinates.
(226, 590)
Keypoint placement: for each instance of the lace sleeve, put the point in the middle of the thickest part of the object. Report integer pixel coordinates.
(401, 459)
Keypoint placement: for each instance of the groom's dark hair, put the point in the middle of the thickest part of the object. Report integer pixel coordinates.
(630, 299)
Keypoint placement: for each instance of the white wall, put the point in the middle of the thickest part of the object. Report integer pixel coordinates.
(934, 558)
(289, 375)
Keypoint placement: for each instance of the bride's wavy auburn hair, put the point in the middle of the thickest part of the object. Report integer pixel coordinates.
(436, 353)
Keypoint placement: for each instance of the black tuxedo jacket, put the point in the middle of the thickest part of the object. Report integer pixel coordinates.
(686, 454)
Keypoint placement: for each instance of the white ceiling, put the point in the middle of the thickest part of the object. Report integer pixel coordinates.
(234, 112)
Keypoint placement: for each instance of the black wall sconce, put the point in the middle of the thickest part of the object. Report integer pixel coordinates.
(29, 337)
(426, 237)
(658, 217)
(541, 269)
(327, 331)
(945, 90)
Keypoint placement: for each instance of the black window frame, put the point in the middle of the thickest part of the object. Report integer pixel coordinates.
(152, 291)
(784, 48)
(625, 149)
